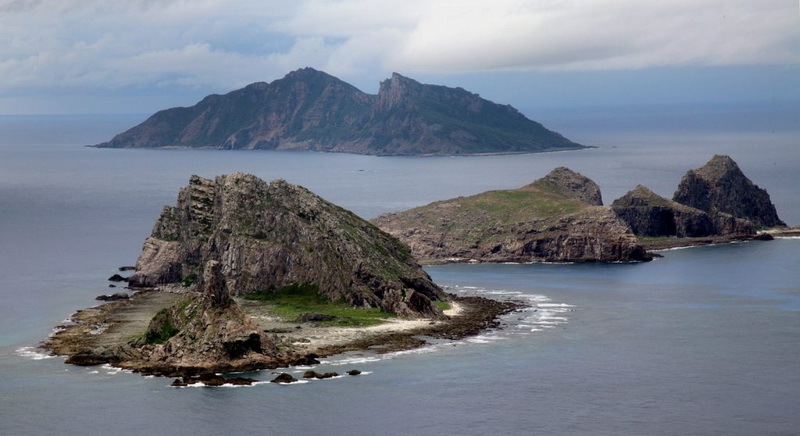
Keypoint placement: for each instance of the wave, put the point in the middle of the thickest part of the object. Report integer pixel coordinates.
(33, 353)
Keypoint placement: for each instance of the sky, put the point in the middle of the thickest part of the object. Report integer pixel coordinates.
(140, 56)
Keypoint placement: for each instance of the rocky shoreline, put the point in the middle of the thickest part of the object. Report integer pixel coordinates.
(103, 335)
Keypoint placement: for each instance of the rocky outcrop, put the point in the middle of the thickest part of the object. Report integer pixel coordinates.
(209, 331)
(649, 214)
(271, 236)
(311, 110)
(548, 220)
(720, 188)
(574, 185)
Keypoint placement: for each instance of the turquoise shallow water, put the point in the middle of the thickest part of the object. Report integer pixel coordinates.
(702, 341)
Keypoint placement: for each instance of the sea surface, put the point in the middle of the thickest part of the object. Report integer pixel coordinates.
(705, 340)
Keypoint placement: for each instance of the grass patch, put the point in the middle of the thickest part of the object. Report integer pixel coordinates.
(443, 305)
(292, 301)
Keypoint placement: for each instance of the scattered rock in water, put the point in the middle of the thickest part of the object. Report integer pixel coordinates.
(111, 285)
(117, 278)
(284, 378)
(213, 380)
(127, 268)
(354, 372)
(318, 376)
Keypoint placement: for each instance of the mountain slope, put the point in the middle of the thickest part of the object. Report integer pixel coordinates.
(312, 110)
(543, 221)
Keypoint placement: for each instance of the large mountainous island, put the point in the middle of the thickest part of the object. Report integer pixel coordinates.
(311, 110)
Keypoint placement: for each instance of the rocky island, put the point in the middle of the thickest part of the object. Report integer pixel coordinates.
(312, 110)
(244, 275)
(560, 218)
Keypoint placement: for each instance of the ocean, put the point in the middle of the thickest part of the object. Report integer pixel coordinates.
(701, 341)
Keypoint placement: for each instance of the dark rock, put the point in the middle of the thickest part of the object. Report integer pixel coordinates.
(284, 378)
(354, 372)
(316, 375)
(179, 383)
(649, 214)
(127, 268)
(277, 237)
(114, 297)
(311, 110)
(111, 285)
(240, 381)
(720, 187)
(117, 278)
(307, 360)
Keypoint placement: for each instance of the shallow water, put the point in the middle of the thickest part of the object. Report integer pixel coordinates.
(702, 341)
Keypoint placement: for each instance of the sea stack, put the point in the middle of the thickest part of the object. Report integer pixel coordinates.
(720, 187)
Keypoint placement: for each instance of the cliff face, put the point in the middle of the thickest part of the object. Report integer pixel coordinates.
(720, 187)
(543, 221)
(271, 236)
(649, 214)
(311, 110)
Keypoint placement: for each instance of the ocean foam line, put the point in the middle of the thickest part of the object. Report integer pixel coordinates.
(548, 305)
(33, 353)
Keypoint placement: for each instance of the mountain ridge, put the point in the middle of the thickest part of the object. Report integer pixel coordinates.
(311, 110)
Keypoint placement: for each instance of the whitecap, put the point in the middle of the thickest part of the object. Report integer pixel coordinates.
(33, 353)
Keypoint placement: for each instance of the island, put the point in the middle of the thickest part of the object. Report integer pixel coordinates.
(561, 218)
(311, 110)
(243, 275)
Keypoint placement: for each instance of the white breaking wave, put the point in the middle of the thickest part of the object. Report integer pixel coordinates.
(33, 353)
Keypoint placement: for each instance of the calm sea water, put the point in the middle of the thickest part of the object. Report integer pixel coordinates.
(702, 341)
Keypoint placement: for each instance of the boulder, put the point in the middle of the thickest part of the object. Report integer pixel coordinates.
(284, 378)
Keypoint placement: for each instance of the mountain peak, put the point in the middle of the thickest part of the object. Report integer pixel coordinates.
(311, 110)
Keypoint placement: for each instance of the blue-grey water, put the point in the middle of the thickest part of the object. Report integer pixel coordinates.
(702, 341)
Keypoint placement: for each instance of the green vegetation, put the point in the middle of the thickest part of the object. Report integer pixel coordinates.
(292, 301)
(162, 330)
(442, 305)
(189, 280)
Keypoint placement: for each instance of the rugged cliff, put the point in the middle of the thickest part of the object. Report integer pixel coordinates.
(311, 110)
(649, 214)
(270, 236)
(720, 187)
(547, 220)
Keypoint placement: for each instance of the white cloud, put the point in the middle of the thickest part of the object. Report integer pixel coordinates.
(218, 45)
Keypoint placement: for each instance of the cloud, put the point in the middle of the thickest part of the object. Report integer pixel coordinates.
(218, 45)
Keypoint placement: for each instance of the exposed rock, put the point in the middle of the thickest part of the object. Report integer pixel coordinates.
(574, 185)
(208, 331)
(311, 110)
(354, 372)
(267, 237)
(548, 220)
(318, 376)
(127, 268)
(720, 187)
(117, 278)
(284, 378)
(649, 214)
(114, 297)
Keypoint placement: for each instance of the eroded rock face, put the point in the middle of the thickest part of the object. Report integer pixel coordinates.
(549, 220)
(267, 236)
(575, 185)
(720, 187)
(649, 214)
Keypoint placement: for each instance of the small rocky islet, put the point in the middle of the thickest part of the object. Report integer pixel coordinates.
(210, 274)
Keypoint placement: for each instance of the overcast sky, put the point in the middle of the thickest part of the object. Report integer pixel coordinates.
(139, 56)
